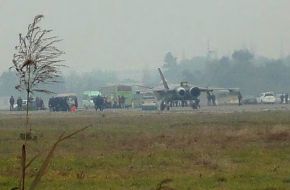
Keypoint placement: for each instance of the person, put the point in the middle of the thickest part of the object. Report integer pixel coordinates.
(115, 104)
(119, 101)
(213, 99)
(176, 103)
(51, 104)
(11, 101)
(282, 98)
(76, 103)
(208, 95)
(122, 102)
(197, 105)
(99, 102)
(240, 98)
(286, 98)
(41, 104)
(162, 105)
(19, 103)
(182, 103)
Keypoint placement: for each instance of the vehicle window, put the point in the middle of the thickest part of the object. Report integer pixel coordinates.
(269, 94)
(148, 97)
(124, 88)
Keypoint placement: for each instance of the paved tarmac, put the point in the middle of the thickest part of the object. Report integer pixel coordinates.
(245, 108)
(233, 108)
(203, 109)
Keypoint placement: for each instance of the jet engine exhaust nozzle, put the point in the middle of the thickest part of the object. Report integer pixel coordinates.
(181, 91)
(194, 92)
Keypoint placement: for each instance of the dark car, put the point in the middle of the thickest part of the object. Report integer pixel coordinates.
(249, 100)
(63, 102)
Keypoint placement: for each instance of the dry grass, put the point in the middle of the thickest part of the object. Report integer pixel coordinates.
(139, 150)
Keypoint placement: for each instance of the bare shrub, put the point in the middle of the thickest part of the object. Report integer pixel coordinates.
(36, 61)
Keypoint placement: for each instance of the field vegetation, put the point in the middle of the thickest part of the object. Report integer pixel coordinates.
(131, 150)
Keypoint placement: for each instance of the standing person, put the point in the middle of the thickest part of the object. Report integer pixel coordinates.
(11, 101)
(286, 98)
(98, 101)
(213, 99)
(119, 101)
(76, 102)
(37, 102)
(240, 98)
(19, 103)
(51, 104)
(208, 95)
(41, 103)
(123, 101)
(197, 103)
(282, 98)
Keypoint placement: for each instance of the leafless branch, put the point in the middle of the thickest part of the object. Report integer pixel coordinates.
(36, 58)
(36, 61)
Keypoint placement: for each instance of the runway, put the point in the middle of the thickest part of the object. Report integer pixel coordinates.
(204, 109)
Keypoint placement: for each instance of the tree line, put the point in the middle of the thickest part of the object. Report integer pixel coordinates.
(244, 70)
(73, 82)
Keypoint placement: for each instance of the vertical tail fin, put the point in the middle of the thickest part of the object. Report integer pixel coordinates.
(163, 79)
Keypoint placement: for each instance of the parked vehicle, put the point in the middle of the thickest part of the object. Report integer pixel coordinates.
(63, 102)
(31, 106)
(249, 100)
(87, 99)
(266, 98)
(149, 102)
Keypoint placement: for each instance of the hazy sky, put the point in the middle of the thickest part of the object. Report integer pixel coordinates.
(123, 34)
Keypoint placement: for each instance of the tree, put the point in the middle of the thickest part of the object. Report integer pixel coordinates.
(36, 61)
(242, 56)
(170, 60)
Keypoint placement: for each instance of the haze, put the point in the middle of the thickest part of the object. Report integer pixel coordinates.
(134, 34)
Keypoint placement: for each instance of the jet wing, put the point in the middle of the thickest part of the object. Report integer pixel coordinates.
(203, 89)
(231, 91)
(162, 94)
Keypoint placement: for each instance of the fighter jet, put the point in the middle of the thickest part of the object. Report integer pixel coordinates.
(184, 92)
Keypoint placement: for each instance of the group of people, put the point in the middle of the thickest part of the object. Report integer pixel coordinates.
(121, 101)
(211, 99)
(18, 103)
(178, 103)
(102, 102)
(38, 104)
(284, 98)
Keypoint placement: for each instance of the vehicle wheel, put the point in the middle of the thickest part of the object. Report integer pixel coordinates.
(194, 106)
(168, 107)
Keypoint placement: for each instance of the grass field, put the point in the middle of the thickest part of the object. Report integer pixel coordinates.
(138, 150)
